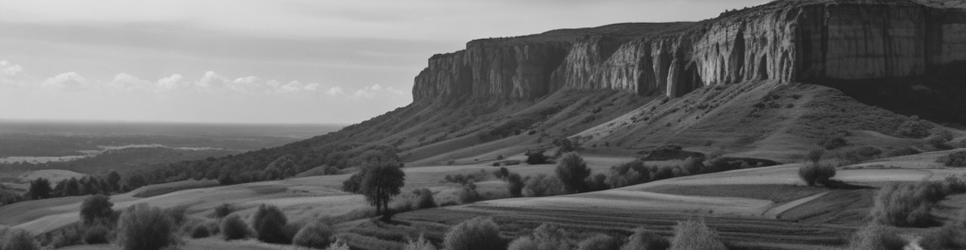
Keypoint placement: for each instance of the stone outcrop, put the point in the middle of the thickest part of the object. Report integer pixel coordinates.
(820, 41)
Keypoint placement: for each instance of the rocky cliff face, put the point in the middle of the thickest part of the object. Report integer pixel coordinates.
(817, 41)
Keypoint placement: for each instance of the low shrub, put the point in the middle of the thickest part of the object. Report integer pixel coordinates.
(940, 138)
(536, 157)
(956, 159)
(419, 244)
(269, 225)
(178, 215)
(630, 173)
(902, 151)
(860, 154)
(314, 235)
(949, 237)
(200, 231)
(834, 143)
(543, 185)
(523, 243)
(907, 204)
(142, 227)
(233, 228)
(690, 235)
(816, 173)
(600, 242)
(876, 237)
(914, 128)
(469, 194)
(423, 199)
(479, 233)
(20, 240)
(645, 240)
(223, 210)
(97, 234)
(67, 236)
(549, 236)
(597, 182)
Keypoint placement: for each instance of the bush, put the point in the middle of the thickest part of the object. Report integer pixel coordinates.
(940, 138)
(543, 185)
(523, 243)
(548, 236)
(479, 233)
(419, 244)
(814, 156)
(597, 182)
(902, 151)
(876, 237)
(178, 215)
(691, 235)
(600, 242)
(645, 240)
(956, 159)
(200, 231)
(914, 128)
(20, 240)
(98, 234)
(951, 236)
(233, 228)
(141, 227)
(469, 194)
(812, 173)
(537, 157)
(338, 245)
(693, 165)
(424, 199)
(269, 225)
(96, 209)
(834, 143)
(630, 173)
(907, 204)
(314, 235)
(223, 210)
(514, 184)
(572, 170)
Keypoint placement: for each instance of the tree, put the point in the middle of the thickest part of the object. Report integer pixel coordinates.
(114, 181)
(572, 170)
(514, 184)
(142, 227)
(233, 228)
(645, 240)
(96, 209)
(689, 235)
(269, 224)
(20, 240)
(380, 183)
(536, 157)
(317, 235)
(40, 189)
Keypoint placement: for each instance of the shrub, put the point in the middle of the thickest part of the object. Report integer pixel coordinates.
(338, 245)
(20, 240)
(200, 231)
(233, 228)
(68, 236)
(479, 233)
(940, 138)
(597, 182)
(537, 157)
(951, 236)
(600, 242)
(691, 235)
(693, 165)
(419, 244)
(468, 194)
(876, 237)
(629, 173)
(860, 154)
(956, 159)
(96, 209)
(424, 199)
(645, 240)
(223, 210)
(902, 151)
(906, 204)
(514, 184)
(543, 185)
(814, 156)
(314, 235)
(548, 236)
(572, 170)
(269, 225)
(98, 234)
(914, 128)
(812, 173)
(834, 143)
(178, 215)
(523, 243)
(141, 227)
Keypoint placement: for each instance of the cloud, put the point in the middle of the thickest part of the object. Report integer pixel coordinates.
(211, 79)
(125, 81)
(335, 91)
(170, 82)
(375, 90)
(9, 69)
(71, 81)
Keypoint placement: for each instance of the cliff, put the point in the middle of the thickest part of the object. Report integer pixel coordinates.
(818, 41)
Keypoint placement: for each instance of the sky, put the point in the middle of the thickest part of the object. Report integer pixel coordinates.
(264, 61)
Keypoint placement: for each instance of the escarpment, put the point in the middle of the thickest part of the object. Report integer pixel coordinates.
(818, 41)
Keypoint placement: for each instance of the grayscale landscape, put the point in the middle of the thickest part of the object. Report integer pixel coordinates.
(599, 125)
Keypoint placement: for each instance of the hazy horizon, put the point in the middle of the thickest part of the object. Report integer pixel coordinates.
(261, 62)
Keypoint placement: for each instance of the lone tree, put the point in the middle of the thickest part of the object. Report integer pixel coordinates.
(572, 170)
(40, 189)
(96, 209)
(379, 183)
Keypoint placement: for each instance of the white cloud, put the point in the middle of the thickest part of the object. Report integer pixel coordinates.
(125, 81)
(212, 80)
(170, 82)
(67, 81)
(9, 69)
(335, 91)
(375, 90)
